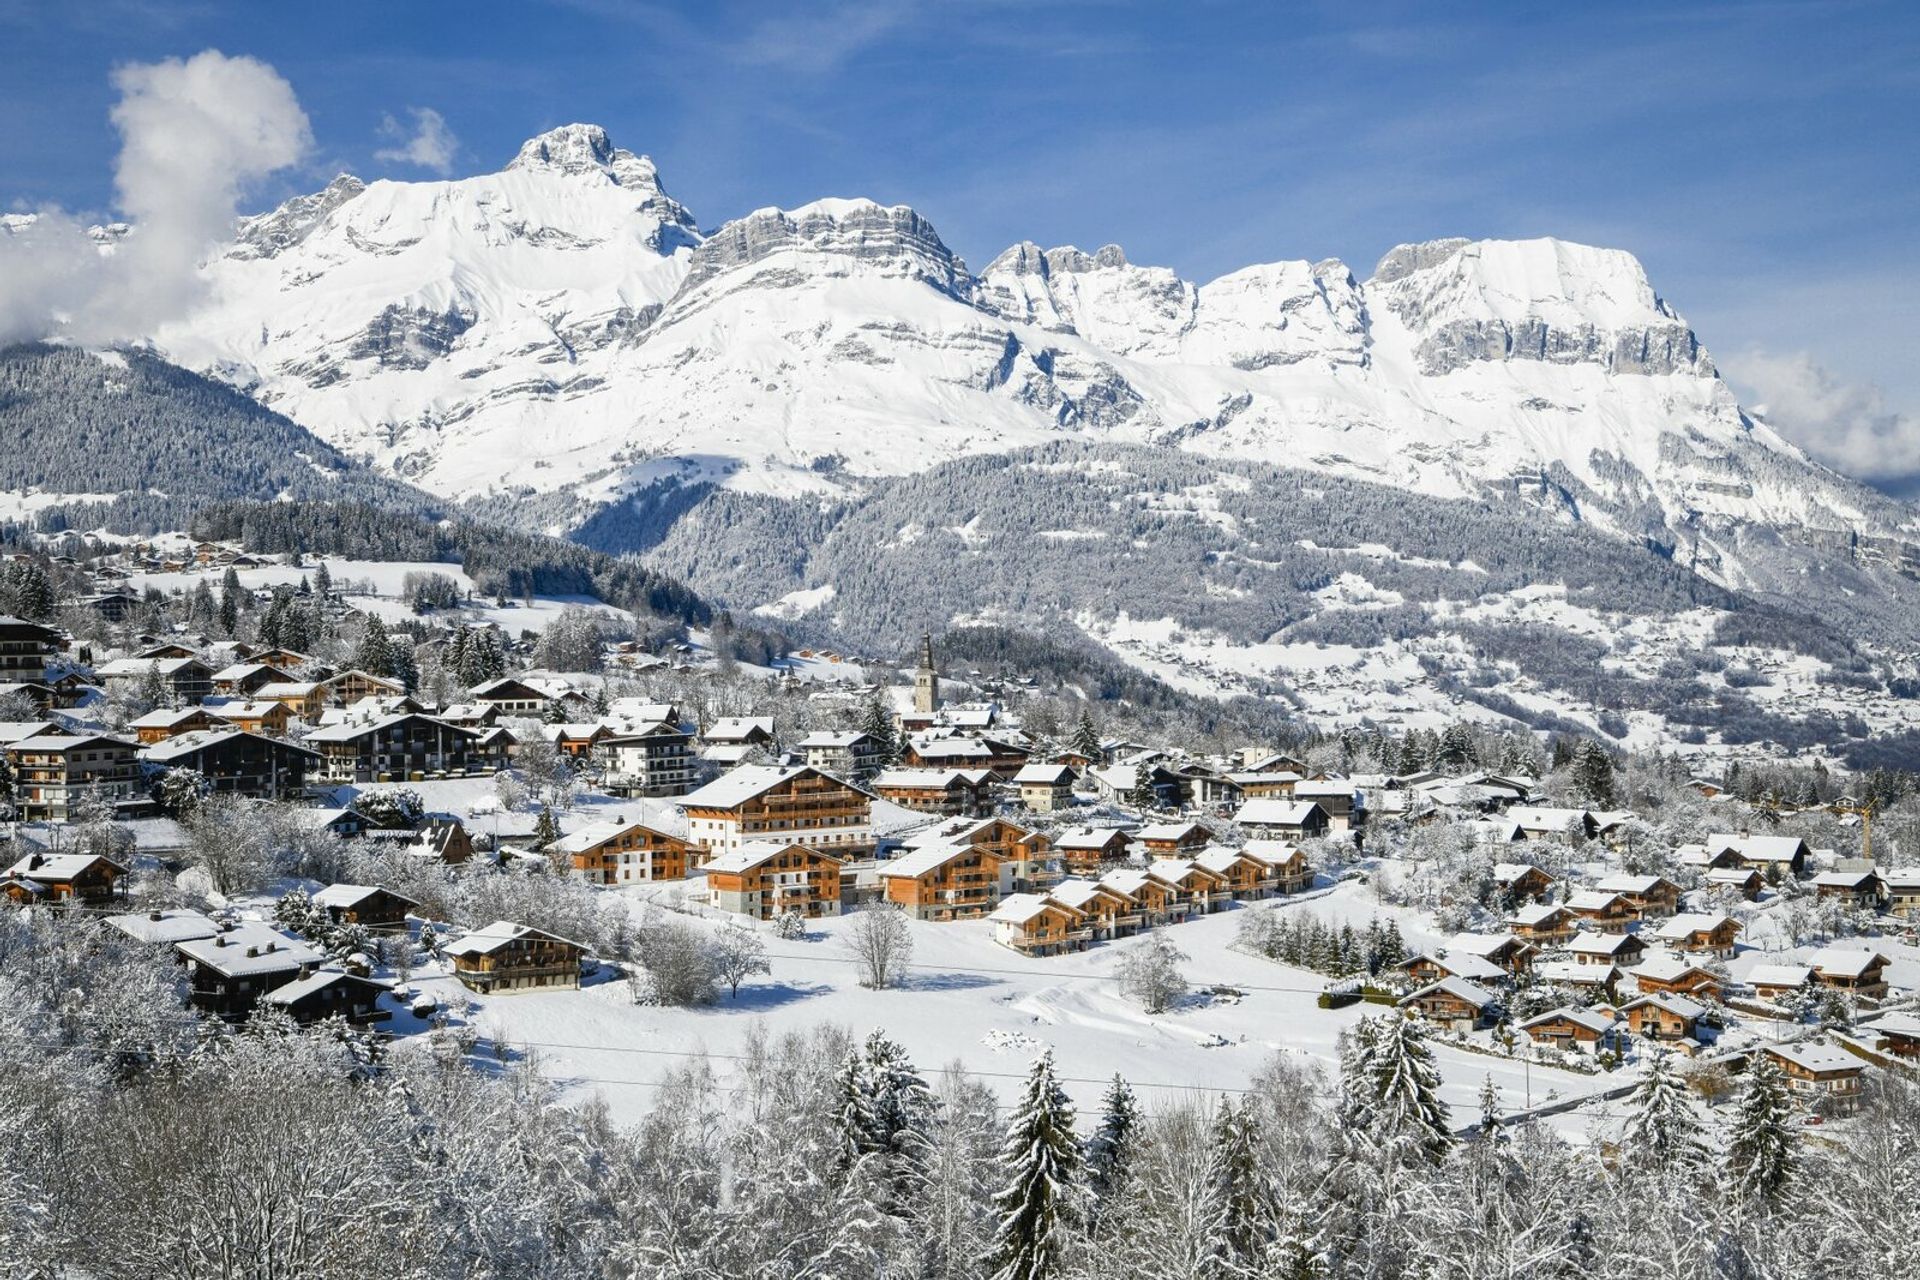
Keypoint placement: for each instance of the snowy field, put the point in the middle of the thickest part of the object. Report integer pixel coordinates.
(971, 1001)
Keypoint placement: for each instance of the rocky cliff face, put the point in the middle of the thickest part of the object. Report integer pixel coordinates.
(559, 335)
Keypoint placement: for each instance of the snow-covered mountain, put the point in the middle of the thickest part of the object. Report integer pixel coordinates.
(560, 333)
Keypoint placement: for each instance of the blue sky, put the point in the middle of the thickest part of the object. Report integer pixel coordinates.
(1760, 158)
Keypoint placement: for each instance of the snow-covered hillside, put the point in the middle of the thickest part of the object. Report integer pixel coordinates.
(566, 311)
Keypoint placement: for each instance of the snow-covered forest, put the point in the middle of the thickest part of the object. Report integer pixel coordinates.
(136, 1141)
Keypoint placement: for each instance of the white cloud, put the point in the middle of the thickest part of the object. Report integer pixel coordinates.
(1848, 426)
(194, 133)
(431, 145)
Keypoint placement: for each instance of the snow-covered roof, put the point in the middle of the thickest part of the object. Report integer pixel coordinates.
(49, 868)
(228, 953)
(1537, 913)
(1513, 872)
(1780, 975)
(1019, 908)
(1484, 944)
(1815, 1056)
(920, 779)
(738, 786)
(1459, 988)
(1177, 870)
(1847, 962)
(343, 896)
(1631, 883)
(1127, 880)
(1088, 837)
(181, 924)
(1463, 964)
(1078, 892)
(739, 728)
(1574, 974)
(1546, 819)
(1604, 944)
(1598, 1021)
(1846, 879)
(1044, 775)
(1276, 852)
(487, 940)
(832, 740)
(918, 862)
(288, 993)
(1671, 1002)
(1688, 923)
(1664, 966)
(1591, 900)
(1273, 811)
(1758, 848)
(1168, 832)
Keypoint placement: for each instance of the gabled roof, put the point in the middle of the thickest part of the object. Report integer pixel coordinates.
(1045, 775)
(1535, 914)
(52, 868)
(1595, 1020)
(1604, 944)
(226, 953)
(181, 924)
(922, 779)
(1846, 879)
(1759, 848)
(920, 861)
(1505, 873)
(1020, 908)
(1591, 900)
(1547, 819)
(1780, 975)
(288, 993)
(1688, 923)
(1815, 1057)
(1169, 831)
(754, 852)
(1078, 892)
(1574, 974)
(1272, 811)
(1623, 883)
(187, 744)
(739, 728)
(1664, 966)
(848, 738)
(343, 896)
(1179, 871)
(1672, 1003)
(1089, 837)
(1849, 962)
(497, 935)
(1462, 964)
(1459, 988)
(737, 786)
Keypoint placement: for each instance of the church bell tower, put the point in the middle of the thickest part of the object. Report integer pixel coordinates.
(926, 681)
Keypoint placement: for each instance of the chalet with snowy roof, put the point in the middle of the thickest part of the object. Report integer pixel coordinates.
(83, 879)
(506, 957)
(1647, 895)
(1560, 826)
(1903, 893)
(622, 852)
(1777, 982)
(164, 928)
(1045, 788)
(304, 700)
(1598, 980)
(765, 880)
(1430, 967)
(513, 696)
(1027, 859)
(171, 722)
(1663, 1015)
(1173, 838)
(1854, 970)
(943, 882)
(947, 753)
(1514, 955)
(1522, 882)
(1337, 799)
(233, 760)
(1107, 911)
(53, 773)
(1664, 971)
(1283, 819)
(1544, 924)
(1623, 949)
(349, 687)
(1193, 886)
(648, 760)
(186, 680)
(1700, 933)
(1247, 877)
(576, 740)
(740, 731)
(228, 973)
(1084, 850)
(1454, 1003)
(953, 792)
(800, 805)
(1769, 855)
(404, 748)
(331, 993)
(1744, 881)
(1277, 784)
(367, 905)
(1154, 898)
(1895, 1034)
(1824, 1077)
(1291, 872)
(1598, 909)
(1212, 790)
(244, 679)
(849, 753)
(1571, 1028)
(25, 648)
(1861, 889)
(1036, 925)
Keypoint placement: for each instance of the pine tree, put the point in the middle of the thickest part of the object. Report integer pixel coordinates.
(1086, 738)
(1142, 795)
(1391, 1084)
(322, 581)
(1242, 1184)
(230, 603)
(1038, 1205)
(1592, 770)
(1489, 1109)
(877, 723)
(1393, 948)
(1110, 1151)
(546, 828)
(1663, 1131)
(375, 652)
(1762, 1147)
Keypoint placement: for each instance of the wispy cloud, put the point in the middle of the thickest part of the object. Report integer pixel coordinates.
(429, 144)
(1849, 426)
(817, 40)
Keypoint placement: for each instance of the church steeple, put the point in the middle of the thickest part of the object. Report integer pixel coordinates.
(926, 681)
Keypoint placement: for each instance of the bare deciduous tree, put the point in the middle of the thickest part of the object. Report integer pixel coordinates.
(881, 942)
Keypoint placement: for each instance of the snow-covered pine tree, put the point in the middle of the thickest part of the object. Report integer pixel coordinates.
(1039, 1205)
(1245, 1198)
(374, 654)
(1664, 1132)
(546, 828)
(1402, 1089)
(1111, 1148)
(1489, 1109)
(877, 723)
(1086, 738)
(1762, 1147)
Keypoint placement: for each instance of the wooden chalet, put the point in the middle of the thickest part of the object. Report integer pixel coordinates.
(1647, 895)
(1283, 819)
(1085, 850)
(1854, 970)
(1745, 881)
(1895, 1034)
(765, 880)
(52, 772)
(621, 852)
(1036, 925)
(1772, 856)
(943, 882)
(1454, 1003)
(505, 957)
(1027, 861)
(955, 793)
(1600, 910)
(1428, 968)
(1700, 933)
(243, 679)
(1667, 972)
(849, 753)
(171, 722)
(1193, 888)
(349, 687)
(233, 760)
(1543, 924)
(1248, 877)
(1903, 893)
(652, 760)
(1623, 949)
(1174, 839)
(1824, 1077)
(1573, 1028)
(1514, 955)
(1557, 826)
(1107, 911)
(1522, 882)
(84, 879)
(512, 696)
(228, 973)
(1779, 982)
(1155, 899)
(757, 804)
(331, 993)
(25, 648)
(1663, 1015)
(304, 699)
(1861, 889)
(409, 747)
(369, 906)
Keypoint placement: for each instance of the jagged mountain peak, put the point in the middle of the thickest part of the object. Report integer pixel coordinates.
(585, 150)
(852, 235)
